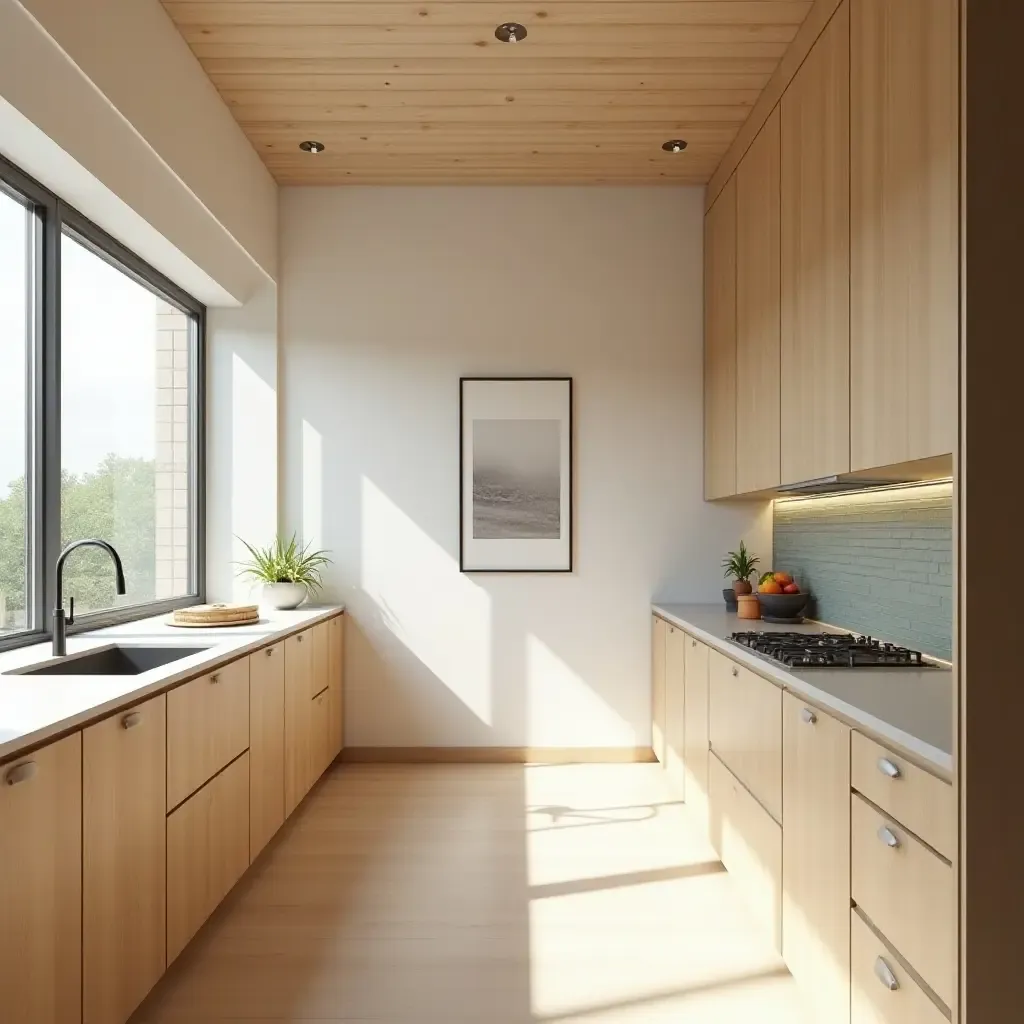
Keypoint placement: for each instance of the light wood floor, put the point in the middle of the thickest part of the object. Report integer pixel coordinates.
(484, 894)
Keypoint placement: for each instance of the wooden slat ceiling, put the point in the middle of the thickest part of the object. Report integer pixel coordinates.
(419, 93)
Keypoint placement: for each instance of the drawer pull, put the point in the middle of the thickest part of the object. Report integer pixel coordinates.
(299, 638)
(808, 716)
(215, 678)
(735, 671)
(886, 767)
(885, 975)
(693, 643)
(20, 773)
(889, 837)
(131, 720)
(270, 652)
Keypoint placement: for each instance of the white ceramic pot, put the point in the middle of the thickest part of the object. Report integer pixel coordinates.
(282, 596)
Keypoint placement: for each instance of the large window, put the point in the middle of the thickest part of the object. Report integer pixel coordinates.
(100, 426)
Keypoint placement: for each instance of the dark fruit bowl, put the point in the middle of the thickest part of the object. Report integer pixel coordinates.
(783, 606)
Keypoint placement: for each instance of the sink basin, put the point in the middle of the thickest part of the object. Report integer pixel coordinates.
(113, 661)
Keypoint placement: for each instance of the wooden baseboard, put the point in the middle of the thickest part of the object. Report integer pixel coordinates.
(497, 755)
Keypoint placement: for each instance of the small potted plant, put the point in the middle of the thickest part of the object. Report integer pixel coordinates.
(739, 566)
(289, 573)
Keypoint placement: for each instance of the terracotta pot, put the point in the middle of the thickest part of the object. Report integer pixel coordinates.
(748, 606)
(742, 587)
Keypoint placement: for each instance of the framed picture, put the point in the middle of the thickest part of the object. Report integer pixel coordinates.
(515, 469)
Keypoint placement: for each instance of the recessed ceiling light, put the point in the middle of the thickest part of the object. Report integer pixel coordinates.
(310, 146)
(510, 32)
(674, 145)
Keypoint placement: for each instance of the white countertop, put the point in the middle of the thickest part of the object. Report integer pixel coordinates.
(36, 708)
(910, 709)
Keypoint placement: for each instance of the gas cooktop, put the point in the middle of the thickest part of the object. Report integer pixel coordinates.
(829, 650)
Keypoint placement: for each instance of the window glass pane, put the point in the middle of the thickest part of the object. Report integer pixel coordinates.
(16, 223)
(125, 401)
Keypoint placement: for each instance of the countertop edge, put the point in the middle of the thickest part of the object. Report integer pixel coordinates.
(925, 755)
(25, 744)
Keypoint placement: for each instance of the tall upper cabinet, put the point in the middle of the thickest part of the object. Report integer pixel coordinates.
(720, 345)
(758, 406)
(815, 277)
(904, 224)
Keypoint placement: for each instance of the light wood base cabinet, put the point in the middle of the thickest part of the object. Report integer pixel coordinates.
(41, 885)
(882, 990)
(816, 858)
(266, 746)
(336, 681)
(675, 709)
(298, 718)
(695, 728)
(659, 638)
(207, 852)
(124, 860)
(749, 843)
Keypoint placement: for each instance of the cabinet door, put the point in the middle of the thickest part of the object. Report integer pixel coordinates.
(320, 735)
(321, 636)
(266, 746)
(746, 729)
(816, 858)
(207, 852)
(904, 222)
(298, 697)
(41, 885)
(815, 276)
(758, 406)
(659, 634)
(675, 709)
(124, 860)
(207, 726)
(720, 345)
(336, 668)
(696, 725)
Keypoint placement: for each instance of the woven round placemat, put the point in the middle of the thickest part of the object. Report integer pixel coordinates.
(216, 615)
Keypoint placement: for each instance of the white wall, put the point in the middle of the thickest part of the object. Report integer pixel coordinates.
(390, 294)
(241, 438)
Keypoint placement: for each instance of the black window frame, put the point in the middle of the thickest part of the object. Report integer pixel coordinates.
(53, 218)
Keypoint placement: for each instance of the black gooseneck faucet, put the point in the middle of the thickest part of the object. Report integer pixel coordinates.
(62, 621)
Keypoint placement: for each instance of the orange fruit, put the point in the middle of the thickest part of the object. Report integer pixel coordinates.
(770, 587)
(783, 578)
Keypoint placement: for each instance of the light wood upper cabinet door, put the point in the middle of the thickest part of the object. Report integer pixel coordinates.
(124, 860)
(298, 686)
(659, 633)
(696, 728)
(758, 405)
(207, 726)
(336, 669)
(266, 746)
(207, 852)
(720, 345)
(675, 711)
(816, 858)
(815, 266)
(41, 885)
(904, 190)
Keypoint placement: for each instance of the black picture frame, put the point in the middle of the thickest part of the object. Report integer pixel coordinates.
(570, 565)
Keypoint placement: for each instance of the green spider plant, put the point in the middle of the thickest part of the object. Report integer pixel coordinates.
(285, 562)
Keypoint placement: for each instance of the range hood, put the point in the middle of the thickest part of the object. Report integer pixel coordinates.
(921, 471)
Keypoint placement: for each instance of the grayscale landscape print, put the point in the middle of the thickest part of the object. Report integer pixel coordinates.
(517, 479)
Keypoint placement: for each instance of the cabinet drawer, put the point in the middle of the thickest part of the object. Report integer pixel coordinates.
(746, 729)
(907, 891)
(882, 991)
(207, 852)
(917, 800)
(207, 726)
(749, 843)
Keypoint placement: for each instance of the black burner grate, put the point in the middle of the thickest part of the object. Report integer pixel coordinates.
(829, 650)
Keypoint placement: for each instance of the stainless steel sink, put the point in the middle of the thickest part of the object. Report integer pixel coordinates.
(116, 660)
